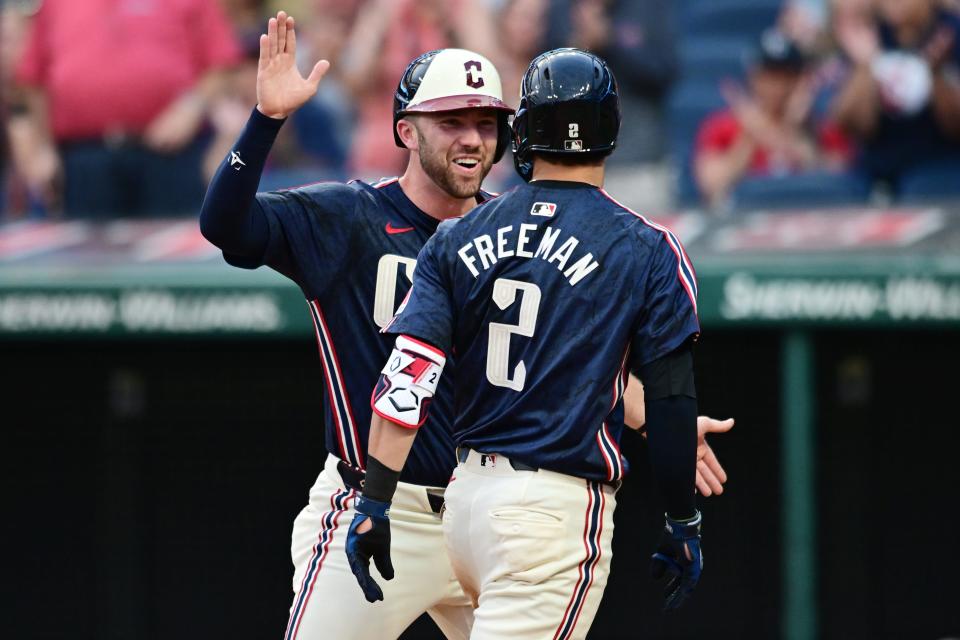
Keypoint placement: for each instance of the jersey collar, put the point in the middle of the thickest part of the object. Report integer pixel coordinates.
(414, 214)
(561, 184)
(410, 212)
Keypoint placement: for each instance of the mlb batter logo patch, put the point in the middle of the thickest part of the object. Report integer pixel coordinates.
(545, 209)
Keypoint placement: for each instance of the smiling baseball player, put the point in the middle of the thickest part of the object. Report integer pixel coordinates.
(546, 296)
(352, 248)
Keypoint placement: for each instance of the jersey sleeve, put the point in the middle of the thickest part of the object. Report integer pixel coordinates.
(311, 232)
(668, 303)
(427, 313)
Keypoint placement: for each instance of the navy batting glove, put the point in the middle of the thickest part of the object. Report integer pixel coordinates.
(374, 543)
(678, 537)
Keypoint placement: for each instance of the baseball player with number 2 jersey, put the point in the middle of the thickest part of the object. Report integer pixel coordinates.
(546, 297)
(351, 248)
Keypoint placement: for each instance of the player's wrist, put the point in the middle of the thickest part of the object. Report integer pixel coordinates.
(278, 118)
(380, 482)
(684, 528)
(372, 508)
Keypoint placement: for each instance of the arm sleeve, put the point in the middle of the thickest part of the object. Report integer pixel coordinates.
(428, 311)
(229, 217)
(668, 303)
(303, 233)
(671, 411)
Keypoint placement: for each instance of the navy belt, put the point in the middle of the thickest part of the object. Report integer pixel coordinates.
(353, 479)
(463, 452)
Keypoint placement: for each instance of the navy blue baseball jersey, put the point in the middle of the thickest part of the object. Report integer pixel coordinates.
(547, 296)
(352, 250)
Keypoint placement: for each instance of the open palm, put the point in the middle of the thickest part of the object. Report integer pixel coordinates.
(281, 89)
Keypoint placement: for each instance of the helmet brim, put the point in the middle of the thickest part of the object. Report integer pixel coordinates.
(458, 103)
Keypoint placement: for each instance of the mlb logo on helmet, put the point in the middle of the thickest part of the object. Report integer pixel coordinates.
(573, 145)
(545, 209)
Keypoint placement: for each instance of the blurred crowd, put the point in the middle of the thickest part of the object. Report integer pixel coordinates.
(124, 108)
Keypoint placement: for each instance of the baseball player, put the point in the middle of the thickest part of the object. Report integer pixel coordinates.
(352, 248)
(546, 296)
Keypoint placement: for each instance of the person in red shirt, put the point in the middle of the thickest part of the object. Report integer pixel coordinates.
(120, 88)
(766, 131)
(385, 33)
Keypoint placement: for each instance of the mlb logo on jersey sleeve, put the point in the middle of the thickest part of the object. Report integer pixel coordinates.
(545, 209)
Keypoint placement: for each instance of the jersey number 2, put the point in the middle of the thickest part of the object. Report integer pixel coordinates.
(498, 348)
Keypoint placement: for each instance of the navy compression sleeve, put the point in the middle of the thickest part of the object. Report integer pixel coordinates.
(671, 408)
(230, 217)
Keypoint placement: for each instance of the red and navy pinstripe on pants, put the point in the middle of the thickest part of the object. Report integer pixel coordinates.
(346, 425)
(339, 502)
(592, 529)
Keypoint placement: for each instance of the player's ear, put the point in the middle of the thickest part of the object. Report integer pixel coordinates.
(408, 134)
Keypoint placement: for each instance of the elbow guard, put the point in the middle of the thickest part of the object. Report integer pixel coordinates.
(407, 382)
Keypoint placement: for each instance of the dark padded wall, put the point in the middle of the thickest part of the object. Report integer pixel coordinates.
(153, 487)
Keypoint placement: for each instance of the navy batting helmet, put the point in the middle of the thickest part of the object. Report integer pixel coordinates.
(569, 105)
(451, 80)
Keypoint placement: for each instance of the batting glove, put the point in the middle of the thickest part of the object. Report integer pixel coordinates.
(678, 555)
(374, 543)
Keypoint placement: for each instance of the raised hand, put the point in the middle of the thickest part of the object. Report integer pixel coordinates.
(858, 38)
(281, 89)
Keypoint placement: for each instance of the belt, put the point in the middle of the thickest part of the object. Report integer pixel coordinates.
(353, 479)
(463, 452)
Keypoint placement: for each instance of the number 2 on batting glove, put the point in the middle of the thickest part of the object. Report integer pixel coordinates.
(372, 543)
(678, 555)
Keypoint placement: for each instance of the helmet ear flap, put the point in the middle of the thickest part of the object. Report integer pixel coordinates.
(396, 136)
(504, 135)
(520, 126)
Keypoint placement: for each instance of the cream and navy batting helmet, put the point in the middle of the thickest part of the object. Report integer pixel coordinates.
(451, 80)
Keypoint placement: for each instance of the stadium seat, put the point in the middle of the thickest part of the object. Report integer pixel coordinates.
(712, 59)
(940, 181)
(687, 107)
(815, 189)
(743, 18)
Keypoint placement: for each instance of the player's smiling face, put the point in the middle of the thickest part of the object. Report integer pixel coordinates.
(456, 148)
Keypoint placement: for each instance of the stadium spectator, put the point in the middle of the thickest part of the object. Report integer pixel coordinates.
(120, 88)
(246, 16)
(902, 96)
(387, 32)
(521, 30)
(637, 39)
(22, 190)
(805, 23)
(324, 126)
(767, 130)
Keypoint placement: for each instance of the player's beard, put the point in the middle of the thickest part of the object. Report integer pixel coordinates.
(439, 168)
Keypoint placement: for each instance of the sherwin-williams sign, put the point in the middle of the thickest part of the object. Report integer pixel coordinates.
(128, 278)
(745, 297)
